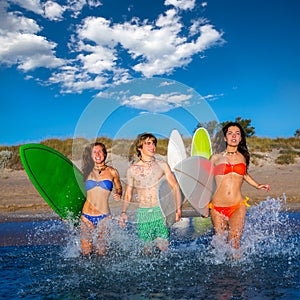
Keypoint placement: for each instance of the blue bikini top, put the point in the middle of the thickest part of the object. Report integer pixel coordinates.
(105, 184)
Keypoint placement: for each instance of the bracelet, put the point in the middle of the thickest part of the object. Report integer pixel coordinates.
(123, 212)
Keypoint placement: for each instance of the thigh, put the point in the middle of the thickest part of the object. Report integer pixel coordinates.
(219, 221)
(86, 237)
(236, 225)
(237, 219)
(86, 230)
(102, 241)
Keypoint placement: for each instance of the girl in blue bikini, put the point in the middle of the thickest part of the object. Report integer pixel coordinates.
(99, 181)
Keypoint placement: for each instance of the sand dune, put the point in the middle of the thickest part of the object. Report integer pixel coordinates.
(20, 200)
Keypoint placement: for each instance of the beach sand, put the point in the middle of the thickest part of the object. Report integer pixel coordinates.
(20, 201)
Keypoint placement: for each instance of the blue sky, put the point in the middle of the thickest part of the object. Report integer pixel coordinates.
(119, 67)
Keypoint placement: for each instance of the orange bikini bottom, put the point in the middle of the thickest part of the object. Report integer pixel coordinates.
(227, 211)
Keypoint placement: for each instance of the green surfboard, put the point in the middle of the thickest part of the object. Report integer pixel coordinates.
(56, 178)
(201, 143)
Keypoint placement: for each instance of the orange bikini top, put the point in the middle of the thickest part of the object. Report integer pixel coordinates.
(223, 169)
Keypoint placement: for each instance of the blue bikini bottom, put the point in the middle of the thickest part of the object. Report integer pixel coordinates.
(95, 219)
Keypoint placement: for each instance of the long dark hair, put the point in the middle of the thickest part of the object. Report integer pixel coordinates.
(87, 161)
(242, 146)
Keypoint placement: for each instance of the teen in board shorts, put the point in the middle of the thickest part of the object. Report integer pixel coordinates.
(144, 176)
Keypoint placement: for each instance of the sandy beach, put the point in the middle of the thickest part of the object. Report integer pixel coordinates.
(20, 201)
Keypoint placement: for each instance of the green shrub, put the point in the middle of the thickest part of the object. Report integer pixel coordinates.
(285, 159)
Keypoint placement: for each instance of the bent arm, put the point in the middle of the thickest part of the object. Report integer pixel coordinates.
(116, 178)
(176, 190)
(126, 202)
(252, 182)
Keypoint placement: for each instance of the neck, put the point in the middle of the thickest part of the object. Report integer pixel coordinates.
(99, 168)
(231, 152)
(147, 159)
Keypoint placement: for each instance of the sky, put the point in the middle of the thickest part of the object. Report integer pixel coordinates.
(117, 68)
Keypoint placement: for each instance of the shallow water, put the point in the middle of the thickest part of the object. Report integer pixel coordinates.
(47, 264)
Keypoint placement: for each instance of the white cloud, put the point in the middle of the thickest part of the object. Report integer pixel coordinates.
(100, 60)
(28, 51)
(157, 103)
(155, 49)
(20, 45)
(15, 22)
(30, 5)
(181, 4)
(101, 52)
(94, 3)
(53, 11)
(181, 53)
(166, 83)
(212, 97)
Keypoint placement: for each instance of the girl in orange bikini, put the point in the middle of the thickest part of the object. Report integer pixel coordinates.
(228, 206)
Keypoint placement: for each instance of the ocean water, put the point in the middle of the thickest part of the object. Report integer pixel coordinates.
(42, 261)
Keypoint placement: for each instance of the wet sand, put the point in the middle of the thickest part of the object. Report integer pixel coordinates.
(20, 201)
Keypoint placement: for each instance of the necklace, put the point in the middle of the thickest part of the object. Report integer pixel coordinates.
(100, 169)
(148, 162)
(231, 152)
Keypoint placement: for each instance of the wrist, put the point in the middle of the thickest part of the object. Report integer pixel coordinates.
(123, 212)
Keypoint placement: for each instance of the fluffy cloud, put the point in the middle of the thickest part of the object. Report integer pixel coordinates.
(20, 43)
(99, 52)
(157, 103)
(182, 4)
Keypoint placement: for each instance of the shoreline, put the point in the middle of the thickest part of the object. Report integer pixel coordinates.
(20, 201)
(38, 215)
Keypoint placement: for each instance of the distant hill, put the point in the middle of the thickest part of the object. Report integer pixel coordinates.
(287, 150)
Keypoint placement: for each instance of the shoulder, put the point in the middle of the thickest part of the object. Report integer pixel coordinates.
(160, 162)
(163, 165)
(113, 171)
(132, 168)
(216, 157)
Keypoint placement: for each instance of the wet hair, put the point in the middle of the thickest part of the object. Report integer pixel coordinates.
(242, 146)
(141, 138)
(87, 161)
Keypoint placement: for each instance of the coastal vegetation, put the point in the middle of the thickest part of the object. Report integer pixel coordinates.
(287, 149)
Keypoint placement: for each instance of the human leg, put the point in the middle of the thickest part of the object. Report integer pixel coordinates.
(162, 244)
(102, 237)
(86, 238)
(236, 226)
(220, 222)
(151, 228)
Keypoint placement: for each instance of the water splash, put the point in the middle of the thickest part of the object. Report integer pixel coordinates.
(195, 266)
(269, 230)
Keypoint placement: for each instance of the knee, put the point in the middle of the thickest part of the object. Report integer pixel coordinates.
(86, 247)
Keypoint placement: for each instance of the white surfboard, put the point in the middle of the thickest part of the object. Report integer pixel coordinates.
(176, 149)
(166, 202)
(195, 177)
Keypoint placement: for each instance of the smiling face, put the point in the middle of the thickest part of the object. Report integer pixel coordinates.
(98, 155)
(233, 136)
(148, 148)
